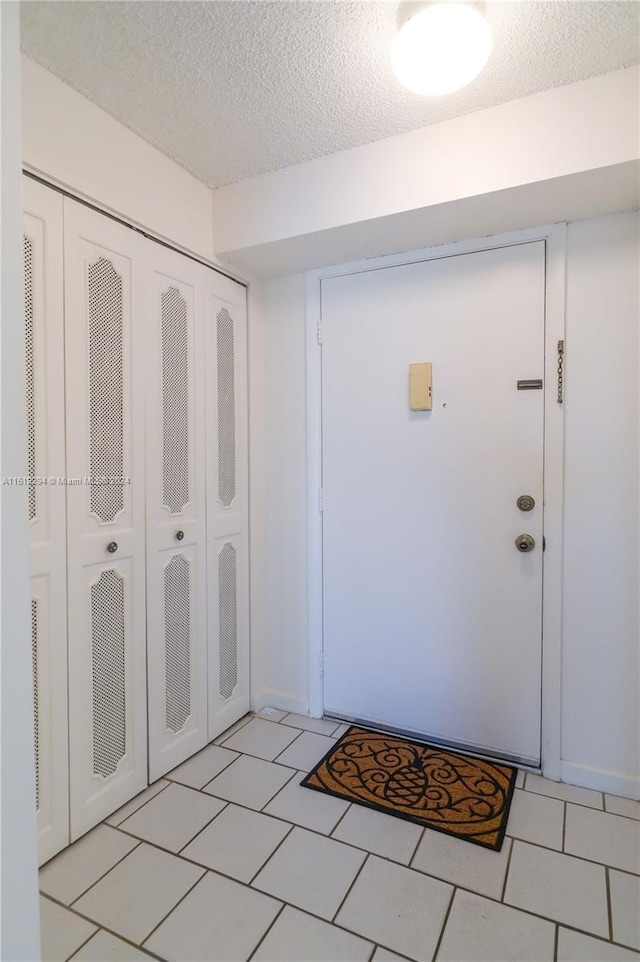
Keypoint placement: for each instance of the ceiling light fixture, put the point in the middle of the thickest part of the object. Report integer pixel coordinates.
(440, 46)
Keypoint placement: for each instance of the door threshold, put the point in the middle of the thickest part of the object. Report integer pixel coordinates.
(524, 762)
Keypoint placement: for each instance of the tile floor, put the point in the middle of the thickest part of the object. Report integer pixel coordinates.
(228, 859)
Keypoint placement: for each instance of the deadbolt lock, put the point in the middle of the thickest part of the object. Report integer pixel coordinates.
(526, 503)
(524, 542)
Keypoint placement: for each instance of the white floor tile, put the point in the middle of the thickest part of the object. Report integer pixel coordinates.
(622, 806)
(340, 731)
(262, 739)
(137, 802)
(232, 729)
(625, 908)
(306, 751)
(237, 843)
(71, 872)
(204, 766)
(104, 947)
(305, 807)
(393, 838)
(462, 863)
(137, 894)
(479, 930)
(132, 888)
(576, 947)
(397, 908)
(604, 838)
(173, 818)
(298, 937)
(536, 818)
(322, 726)
(250, 781)
(311, 872)
(559, 887)
(61, 932)
(563, 791)
(219, 921)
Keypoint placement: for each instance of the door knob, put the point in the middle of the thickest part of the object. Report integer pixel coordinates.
(179, 535)
(526, 503)
(524, 542)
(112, 547)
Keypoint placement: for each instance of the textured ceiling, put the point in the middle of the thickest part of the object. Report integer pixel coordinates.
(231, 88)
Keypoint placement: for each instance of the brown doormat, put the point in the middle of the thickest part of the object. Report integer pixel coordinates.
(448, 792)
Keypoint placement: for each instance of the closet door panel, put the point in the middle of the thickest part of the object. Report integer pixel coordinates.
(227, 508)
(176, 523)
(44, 342)
(104, 317)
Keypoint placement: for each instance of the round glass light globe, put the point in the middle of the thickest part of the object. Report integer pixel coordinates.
(441, 49)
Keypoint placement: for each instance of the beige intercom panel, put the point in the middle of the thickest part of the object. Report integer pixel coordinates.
(420, 387)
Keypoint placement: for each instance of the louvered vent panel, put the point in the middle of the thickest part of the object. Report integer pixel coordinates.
(106, 388)
(31, 397)
(226, 409)
(177, 627)
(175, 401)
(36, 725)
(228, 612)
(108, 669)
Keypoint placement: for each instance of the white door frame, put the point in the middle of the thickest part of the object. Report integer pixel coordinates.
(554, 237)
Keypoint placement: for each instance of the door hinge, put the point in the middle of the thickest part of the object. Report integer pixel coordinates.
(322, 664)
(320, 500)
(319, 330)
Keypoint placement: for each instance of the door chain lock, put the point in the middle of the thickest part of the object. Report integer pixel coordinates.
(560, 372)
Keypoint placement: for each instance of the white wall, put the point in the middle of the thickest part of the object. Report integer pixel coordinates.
(600, 645)
(69, 140)
(20, 919)
(600, 694)
(283, 616)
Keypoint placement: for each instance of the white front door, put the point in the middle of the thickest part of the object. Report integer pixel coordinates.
(432, 615)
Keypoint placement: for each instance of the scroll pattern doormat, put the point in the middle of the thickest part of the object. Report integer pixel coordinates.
(446, 791)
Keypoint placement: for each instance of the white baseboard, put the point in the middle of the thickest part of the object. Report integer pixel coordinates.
(600, 779)
(279, 699)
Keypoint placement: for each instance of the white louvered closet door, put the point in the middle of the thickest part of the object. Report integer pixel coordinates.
(176, 519)
(227, 497)
(44, 339)
(105, 367)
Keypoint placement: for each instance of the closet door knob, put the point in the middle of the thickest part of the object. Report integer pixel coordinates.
(179, 535)
(112, 547)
